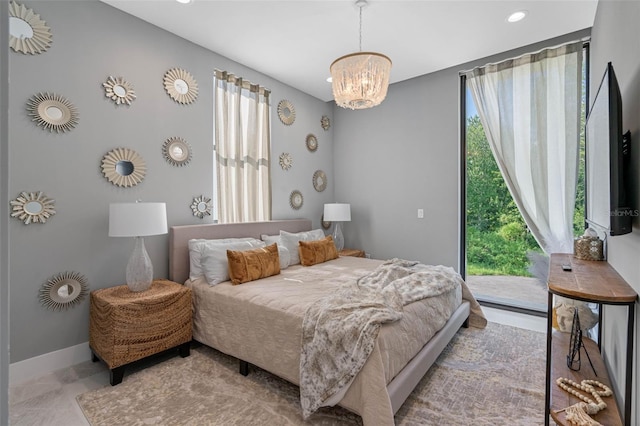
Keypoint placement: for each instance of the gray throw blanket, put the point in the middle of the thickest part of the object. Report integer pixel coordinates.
(339, 331)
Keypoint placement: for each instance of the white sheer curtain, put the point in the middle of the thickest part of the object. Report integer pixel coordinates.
(242, 142)
(530, 110)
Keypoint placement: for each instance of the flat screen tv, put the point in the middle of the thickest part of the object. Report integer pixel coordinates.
(607, 160)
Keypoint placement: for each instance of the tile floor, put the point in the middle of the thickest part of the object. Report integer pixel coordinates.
(50, 400)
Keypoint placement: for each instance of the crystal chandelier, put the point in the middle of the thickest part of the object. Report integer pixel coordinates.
(360, 80)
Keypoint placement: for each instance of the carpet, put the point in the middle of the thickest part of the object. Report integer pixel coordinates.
(483, 377)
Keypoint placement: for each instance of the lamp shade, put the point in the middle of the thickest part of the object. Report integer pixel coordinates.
(137, 219)
(337, 212)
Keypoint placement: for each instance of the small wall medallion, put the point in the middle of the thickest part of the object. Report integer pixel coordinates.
(312, 142)
(119, 90)
(52, 112)
(201, 206)
(286, 161)
(296, 200)
(177, 151)
(63, 291)
(181, 86)
(32, 207)
(286, 112)
(319, 181)
(325, 123)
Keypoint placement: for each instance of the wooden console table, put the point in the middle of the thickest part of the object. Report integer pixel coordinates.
(594, 282)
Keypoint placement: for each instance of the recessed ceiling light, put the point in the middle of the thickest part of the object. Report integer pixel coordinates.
(329, 80)
(517, 16)
(184, 1)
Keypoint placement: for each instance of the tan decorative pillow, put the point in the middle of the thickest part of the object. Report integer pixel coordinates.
(250, 265)
(314, 252)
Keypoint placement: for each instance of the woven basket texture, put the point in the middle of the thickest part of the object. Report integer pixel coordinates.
(125, 326)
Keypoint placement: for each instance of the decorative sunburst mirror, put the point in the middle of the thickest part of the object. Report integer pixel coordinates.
(319, 181)
(286, 161)
(52, 112)
(286, 112)
(32, 207)
(63, 291)
(325, 123)
(27, 32)
(201, 206)
(296, 199)
(119, 90)
(181, 86)
(123, 167)
(326, 224)
(177, 151)
(312, 142)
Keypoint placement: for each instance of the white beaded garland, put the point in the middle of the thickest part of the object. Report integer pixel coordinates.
(588, 386)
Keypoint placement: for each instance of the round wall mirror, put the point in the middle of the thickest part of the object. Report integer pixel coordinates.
(32, 207)
(19, 28)
(53, 113)
(63, 291)
(201, 206)
(123, 167)
(27, 32)
(181, 86)
(119, 90)
(176, 151)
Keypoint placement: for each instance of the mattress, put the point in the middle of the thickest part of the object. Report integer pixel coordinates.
(261, 322)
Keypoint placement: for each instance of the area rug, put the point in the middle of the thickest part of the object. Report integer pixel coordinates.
(483, 377)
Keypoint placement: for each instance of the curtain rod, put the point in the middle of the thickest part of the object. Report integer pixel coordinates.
(584, 40)
(246, 84)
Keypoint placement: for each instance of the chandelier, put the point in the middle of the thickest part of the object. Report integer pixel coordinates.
(360, 80)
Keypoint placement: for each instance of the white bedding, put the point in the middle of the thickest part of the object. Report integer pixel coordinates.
(261, 322)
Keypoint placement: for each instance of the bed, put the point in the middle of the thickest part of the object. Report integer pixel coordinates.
(260, 325)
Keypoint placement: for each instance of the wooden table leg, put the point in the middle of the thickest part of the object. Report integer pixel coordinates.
(185, 349)
(116, 375)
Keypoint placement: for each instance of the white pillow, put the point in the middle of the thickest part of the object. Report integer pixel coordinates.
(285, 256)
(215, 265)
(196, 251)
(290, 241)
(270, 239)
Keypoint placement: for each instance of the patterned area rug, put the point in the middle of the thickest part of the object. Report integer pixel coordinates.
(484, 377)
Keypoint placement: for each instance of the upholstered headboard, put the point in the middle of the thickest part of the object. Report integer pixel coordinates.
(179, 237)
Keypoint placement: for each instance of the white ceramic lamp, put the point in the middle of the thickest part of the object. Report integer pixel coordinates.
(138, 220)
(337, 213)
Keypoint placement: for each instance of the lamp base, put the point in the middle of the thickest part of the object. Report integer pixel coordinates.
(139, 268)
(338, 238)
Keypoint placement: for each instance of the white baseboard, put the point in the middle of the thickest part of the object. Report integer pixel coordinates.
(47, 363)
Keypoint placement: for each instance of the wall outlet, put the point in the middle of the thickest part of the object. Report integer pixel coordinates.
(420, 213)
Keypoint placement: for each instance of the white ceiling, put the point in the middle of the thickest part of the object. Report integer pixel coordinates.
(295, 41)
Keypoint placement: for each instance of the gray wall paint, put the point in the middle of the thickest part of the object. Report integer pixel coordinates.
(616, 39)
(91, 41)
(403, 156)
(4, 214)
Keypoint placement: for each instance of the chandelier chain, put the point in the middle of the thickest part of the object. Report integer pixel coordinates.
(361, 6)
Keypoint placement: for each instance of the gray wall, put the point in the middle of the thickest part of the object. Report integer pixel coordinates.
(403, 156)
(91, 41)
(4, 215)
(616, 39)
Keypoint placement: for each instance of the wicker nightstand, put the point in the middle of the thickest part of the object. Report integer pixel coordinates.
(351, 252)
(125, 326)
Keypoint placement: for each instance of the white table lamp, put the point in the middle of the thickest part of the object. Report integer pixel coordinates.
(138, 220)
(337, 213)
